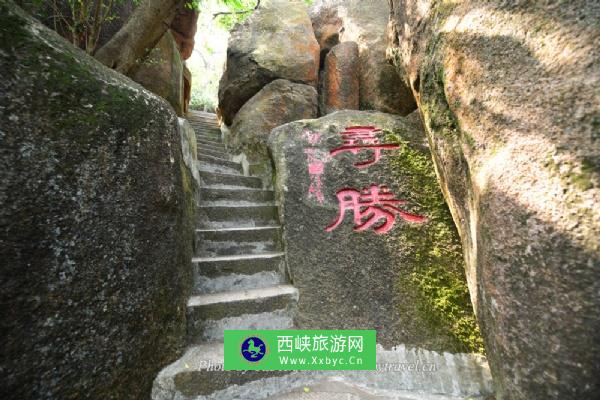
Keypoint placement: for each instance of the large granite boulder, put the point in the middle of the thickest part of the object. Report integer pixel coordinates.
(183, 29)
(96, 234)
(364, 23)
(341, 77)
(278, 103)
(327, 26)
(398, 270)
(161, 72)
(277, 41)
(509, 95)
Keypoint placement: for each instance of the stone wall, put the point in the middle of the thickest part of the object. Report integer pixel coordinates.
(97, 233)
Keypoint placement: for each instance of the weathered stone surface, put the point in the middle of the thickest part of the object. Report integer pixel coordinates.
(277, 41)
(340, 86)
(279, 102)
(183, 29)
(409, 284)
(161, 72)
(189, 148)
(96, 237)
(187, 88)
(121, 11)
(364, 22)
(509, 95)
(326, 25)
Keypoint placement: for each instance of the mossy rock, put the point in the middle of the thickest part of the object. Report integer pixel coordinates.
(97, 223)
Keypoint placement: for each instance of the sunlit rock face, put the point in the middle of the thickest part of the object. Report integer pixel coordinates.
(183, 29)
(161, 72)
(508, 93)
(96, 236)
(277, 41)
(278, 103)
(363, 22)
(370, 243)
(340, 79)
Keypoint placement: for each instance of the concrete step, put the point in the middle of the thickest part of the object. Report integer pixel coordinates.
(213, 267)
(226, 305)
(263, 279)
(199, 374)
(217, 180)
(253, 195)
(236, 241)
(211, 160)
(242, 216)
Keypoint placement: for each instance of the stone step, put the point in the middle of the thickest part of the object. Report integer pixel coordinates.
(213, 153)
(453, 377)
(212, 330)
(243, 216)
(204, 120)
(230, 248)
(255, 195)
(203, 140)
(217, 180)
(226, 305)
(205, 135)
(240, 264)
(216, 168)
(199, 374)
(335, 388)
(211, 160)
(207, 285)
(201, 120)
(212, 131)
(238, 234)
(210, 146)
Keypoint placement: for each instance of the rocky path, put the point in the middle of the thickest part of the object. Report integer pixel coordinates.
(240, 283)
(239, 270)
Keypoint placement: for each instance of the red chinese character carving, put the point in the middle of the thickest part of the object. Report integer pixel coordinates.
(312, 137)
(316, 165)
(370, 206)
(357, 138)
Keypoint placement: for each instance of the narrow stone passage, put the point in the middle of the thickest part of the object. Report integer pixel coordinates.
(240, 283)
(239, 264)
(239, 269)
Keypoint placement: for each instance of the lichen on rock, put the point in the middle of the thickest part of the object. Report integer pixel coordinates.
(97, 235)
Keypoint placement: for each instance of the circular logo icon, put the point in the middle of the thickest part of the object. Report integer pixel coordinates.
(253, 349)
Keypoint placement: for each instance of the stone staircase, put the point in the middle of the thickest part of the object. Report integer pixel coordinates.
(239, 270)
(240, 283)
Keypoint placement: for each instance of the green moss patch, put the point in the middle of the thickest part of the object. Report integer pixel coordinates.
(438, 275)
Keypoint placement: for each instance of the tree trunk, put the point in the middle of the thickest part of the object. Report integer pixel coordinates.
(139, 35)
